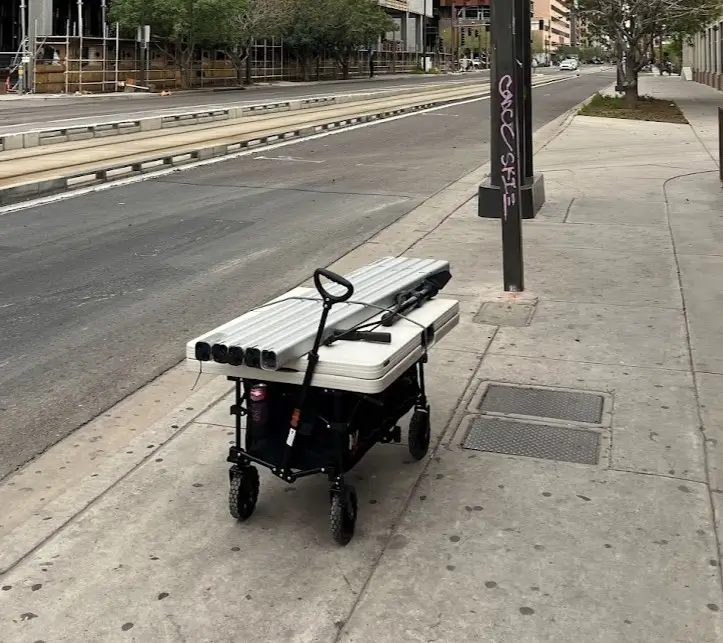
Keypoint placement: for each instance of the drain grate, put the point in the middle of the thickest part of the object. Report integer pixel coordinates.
(498, 435)
(570, 406)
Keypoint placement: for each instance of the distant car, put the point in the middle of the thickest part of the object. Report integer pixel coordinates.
(570, 64)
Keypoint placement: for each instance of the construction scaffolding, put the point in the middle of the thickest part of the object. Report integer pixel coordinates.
(80, 62)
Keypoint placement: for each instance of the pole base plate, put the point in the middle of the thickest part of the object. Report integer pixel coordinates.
(489, 204)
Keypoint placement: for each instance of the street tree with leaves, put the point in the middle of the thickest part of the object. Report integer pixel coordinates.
(178, 26)
(355, 24)
(335, 28)
(306, 33)
(631, 27)
(243, 22)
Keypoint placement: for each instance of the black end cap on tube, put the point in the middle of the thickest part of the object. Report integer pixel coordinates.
(220, 353)
(203, 352)
(235, 355)
(253, 357)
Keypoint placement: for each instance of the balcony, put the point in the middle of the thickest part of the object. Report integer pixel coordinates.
(397, 5)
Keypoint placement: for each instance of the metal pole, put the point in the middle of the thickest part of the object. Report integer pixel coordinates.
(67, 53)
(143, 59)
(524, 52)
(105, 43)
(117, 53)
(454, 36)
(507, 165)
(23, 45)
(34, 59)
(424, 37)
(80, 46)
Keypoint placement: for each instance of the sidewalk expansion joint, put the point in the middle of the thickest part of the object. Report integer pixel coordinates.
(584, 361)
(608, 304)
(452, 424)
(691, 366)
(653, 474)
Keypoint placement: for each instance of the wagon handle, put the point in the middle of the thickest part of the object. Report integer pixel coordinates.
(337, 279)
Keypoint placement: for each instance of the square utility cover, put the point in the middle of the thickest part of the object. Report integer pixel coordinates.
(569, 406)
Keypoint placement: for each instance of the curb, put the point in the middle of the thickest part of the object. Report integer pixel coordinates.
(30, 190)
(38, 528)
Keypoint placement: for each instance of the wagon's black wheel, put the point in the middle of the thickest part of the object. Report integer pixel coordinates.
(419, 434)
(342, 516)
(244, 492)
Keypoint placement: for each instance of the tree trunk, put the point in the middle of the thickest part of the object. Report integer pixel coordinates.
(184, 61)
(249, 68)
(631, 81)
(305, 67)
(344, 63)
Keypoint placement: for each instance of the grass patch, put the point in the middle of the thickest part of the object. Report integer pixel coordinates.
(646, 109)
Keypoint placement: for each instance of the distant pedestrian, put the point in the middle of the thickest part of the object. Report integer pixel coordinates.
(371, 63)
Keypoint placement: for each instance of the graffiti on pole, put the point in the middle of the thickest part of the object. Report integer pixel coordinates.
(508, 134)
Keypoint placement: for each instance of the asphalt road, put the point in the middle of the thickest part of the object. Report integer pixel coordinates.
(35, 112)
(100, 293)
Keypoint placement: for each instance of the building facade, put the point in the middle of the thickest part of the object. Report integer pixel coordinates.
(413, 18)
(552, 18)
(703, 57)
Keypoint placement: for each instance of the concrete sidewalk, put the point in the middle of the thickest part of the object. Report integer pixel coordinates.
(121, 531)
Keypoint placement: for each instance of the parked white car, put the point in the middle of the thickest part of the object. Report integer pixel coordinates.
(569, 64)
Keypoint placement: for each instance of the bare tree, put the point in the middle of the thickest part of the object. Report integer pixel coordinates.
(631, 27)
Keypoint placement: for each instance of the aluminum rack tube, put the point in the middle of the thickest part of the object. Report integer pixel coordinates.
(228, 350)
(256, 334)
(390, 281)
(285, 349)
(387, 289)
(254, 328)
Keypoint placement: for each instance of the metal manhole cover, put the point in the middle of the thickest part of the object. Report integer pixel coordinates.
(569, 406)
(499, 313)
(498, 435)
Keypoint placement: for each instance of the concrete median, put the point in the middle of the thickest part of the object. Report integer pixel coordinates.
(31, 174)
(197, 116)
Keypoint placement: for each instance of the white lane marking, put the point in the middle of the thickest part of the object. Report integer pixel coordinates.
(293, 159)
(230, 157)
(233, 263)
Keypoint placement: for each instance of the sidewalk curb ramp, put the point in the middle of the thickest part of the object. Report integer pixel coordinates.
(29, 190)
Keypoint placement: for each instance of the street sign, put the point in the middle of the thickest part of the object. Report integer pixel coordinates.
(25, 60)
(144, 34)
